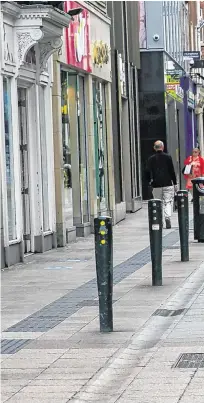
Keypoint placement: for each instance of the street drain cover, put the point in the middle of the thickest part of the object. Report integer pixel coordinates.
(168, 312)
(190, 360)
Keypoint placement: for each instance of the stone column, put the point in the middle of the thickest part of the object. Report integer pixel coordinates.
(91, 151)
(58, 154)
(110, 153)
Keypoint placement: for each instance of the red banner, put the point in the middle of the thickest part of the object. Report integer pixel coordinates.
(78, 39)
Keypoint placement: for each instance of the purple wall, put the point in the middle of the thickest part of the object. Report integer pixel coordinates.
(190, 123)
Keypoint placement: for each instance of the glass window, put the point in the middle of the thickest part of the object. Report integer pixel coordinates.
(46, 226)
(9, 159)
(83, 152)
(100, 135)
(66, 142)
(137, 130)
(74, 148)
(31, 57)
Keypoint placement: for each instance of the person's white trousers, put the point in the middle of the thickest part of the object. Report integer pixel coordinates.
(166, 195)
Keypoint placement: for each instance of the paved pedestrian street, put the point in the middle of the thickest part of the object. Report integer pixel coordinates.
(53, 351)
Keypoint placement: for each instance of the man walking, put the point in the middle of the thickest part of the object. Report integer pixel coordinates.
(161, 175)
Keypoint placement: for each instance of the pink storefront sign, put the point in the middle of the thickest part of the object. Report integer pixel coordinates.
(77, 36)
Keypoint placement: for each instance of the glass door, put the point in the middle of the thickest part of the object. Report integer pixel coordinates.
(75, 149)
(100, 136)
(23, 135)
(83, 149)
(10, 182)
(137, 134)
(66, 140)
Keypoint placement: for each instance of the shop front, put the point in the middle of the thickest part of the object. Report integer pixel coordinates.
(102, 187)
(85, 120)
(174, 111)
(189, 88)
(28, 203)
(199, 104)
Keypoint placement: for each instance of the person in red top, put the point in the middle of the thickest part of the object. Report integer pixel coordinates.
(197, 170)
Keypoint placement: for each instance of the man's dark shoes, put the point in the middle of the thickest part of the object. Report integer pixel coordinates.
(168, 223)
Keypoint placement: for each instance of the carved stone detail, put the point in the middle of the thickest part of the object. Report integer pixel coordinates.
(47, 49)
(25, 41)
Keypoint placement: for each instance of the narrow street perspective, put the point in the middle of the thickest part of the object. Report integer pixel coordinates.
(53, 351)
(102, 201)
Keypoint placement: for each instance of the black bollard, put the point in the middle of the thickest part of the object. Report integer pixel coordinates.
(104, 270)
(155, 233)
(198, 208)
(183, 219)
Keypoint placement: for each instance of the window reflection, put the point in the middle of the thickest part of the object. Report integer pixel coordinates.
(100, 136)
(66, 144)
(9, 159)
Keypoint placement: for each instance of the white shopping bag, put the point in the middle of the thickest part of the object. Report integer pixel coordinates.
(187, 170)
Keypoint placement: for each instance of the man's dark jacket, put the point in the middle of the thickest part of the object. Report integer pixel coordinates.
(160, 170)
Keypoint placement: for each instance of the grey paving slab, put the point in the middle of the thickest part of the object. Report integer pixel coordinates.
(19, 373)
(158, 364)
(87, 365)
(54, 313)
(191, 398)
(147, 399)
(40, 398)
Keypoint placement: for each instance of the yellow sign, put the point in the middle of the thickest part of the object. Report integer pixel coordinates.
(100, 53)
(64, 110)
(172, 84)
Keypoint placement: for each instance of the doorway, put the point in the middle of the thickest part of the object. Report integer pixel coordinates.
(75, 150)
(24, 161)
(100, 143)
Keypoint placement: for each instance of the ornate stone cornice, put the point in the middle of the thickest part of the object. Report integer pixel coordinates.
(10, 8)
(27, 39)
(32, 16)
(42, 25)
(48, 13)
(46, 49)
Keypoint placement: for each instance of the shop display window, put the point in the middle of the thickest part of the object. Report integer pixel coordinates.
(10, 182)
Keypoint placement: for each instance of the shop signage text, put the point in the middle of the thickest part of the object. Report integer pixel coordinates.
(78, 39)
(176, 73)
(194, 54)
(101, 53)
(191, 99)
(173, 87)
